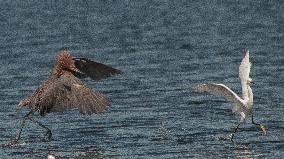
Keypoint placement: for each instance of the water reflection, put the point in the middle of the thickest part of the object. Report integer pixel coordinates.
(89, 153)
(92, 152)
(163, 133)
(245, 151)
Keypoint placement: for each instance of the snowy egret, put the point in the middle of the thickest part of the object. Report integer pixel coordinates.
(242, 106)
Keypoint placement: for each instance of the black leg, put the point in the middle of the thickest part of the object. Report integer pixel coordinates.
(260, 126)
(48, 131)
(14, 141)
(23, 124)
(252, 121)
(236, 129)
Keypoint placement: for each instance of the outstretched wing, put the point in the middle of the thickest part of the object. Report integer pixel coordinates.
(95, 70)
(69, 92)
(221, 90)
(244, 71)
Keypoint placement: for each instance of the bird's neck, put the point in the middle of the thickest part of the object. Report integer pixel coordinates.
(250, 95)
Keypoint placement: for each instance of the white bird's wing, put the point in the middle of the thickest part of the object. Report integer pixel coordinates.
(244, 71)
(221, 90)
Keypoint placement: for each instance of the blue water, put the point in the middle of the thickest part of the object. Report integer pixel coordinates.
(163, 47)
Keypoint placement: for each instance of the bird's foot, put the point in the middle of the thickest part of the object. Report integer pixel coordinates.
(232, 138)
(224, 137)
(263, 129)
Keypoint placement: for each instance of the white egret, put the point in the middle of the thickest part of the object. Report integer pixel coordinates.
(242, 106)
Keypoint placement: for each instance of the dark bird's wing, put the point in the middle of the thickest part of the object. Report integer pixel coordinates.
(95, 70)
(69, 92)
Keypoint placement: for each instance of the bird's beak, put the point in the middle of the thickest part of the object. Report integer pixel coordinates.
(263, 129)
(250, 83)
(19, 106)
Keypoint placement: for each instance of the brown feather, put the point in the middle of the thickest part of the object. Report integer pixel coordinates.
(63, 90)
(64, 61)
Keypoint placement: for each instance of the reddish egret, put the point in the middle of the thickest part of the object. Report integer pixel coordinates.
(63, 89)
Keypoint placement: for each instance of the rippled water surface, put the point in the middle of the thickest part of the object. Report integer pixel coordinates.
(163, 48)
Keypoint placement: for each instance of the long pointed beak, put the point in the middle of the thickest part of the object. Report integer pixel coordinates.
(19, 106)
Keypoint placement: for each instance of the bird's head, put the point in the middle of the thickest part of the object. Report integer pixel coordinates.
(23, 103)
(250, 82)
(64, 62)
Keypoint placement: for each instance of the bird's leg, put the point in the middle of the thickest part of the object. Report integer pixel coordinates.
(253, 121)
(23, 124)
(236, 129)
(261, 126)
(14, 141)
(48, 131)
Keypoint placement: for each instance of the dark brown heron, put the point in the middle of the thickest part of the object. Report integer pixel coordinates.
(63, 89)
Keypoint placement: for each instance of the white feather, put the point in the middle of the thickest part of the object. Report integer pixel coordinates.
(242, 106)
